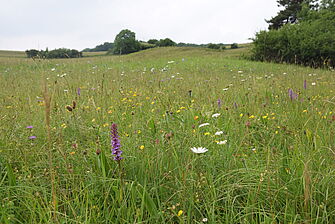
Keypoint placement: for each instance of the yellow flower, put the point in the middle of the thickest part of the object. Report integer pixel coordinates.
(152, 102)
(63, 125)
(196, 117)
(110, 111)
(304, 111)
(207, 133)
(241, 115)
(72, 153)
(142, 147)
(139, 132)
(252, 116)
(105, 124)
(265, 116)
(178, 111)
(180, 213)
(98, 108)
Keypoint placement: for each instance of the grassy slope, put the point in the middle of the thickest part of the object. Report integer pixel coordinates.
(277, 165)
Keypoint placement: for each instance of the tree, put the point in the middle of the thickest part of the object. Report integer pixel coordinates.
(165, 43)
(32, 53)
(291, 12)
(152, 41)
(125, 43)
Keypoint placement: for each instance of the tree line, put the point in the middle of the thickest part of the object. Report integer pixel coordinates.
(125, 42)
(57, 53)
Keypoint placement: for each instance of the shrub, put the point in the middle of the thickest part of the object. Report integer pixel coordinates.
(234, 46)
(57, 53)
(165, 43)
(310, 43)
(213, 46)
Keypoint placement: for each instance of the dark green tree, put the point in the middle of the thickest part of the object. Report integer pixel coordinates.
(167, 42)
(31, 53)
(125, 43)
(152, 41)
(291, 13)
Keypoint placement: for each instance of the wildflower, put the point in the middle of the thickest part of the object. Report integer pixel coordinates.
(142, 147)
(218, 133)
(29, 127)
(216, 115)
(204, 220)
(292, 94)
(78, 91)
(196, 117)
(115, 142)
(180, 213)
(313, 83)
(199, 150)
(219, 103)
(204, 124)
(207, 133)
(32, 137)
(305, 84)
(222, 142)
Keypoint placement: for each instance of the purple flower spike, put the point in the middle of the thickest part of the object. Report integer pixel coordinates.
(219, 103)
(115, 142)
(29, 127)
(32, 137)
(292, 95)
(305, 84)
(78, 91)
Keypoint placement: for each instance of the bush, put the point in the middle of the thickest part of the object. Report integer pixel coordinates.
(213, 46)
(216, 46)
(310, 43)
(57, 53)
(234, 46)
(165, 43)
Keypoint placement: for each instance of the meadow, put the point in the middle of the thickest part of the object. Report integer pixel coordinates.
(269, 130)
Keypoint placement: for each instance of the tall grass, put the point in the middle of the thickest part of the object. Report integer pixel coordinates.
(276, 167)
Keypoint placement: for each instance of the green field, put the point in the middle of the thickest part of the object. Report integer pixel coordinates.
(270, 158)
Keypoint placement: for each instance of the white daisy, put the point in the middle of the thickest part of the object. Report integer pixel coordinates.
(216, 115)
(204, 124)
(199, 150)
(218, 133)
(222, 142)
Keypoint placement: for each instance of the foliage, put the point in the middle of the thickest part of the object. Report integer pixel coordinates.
(57, 53)
(102, 47)
(312, 42)
(32, 53)
(146, 45)
(125, 43)
(153, 41)
(234, 46)
(216, 46)
(290, 13)
(167, 42)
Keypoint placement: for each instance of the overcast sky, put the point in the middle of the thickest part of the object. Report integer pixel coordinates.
(78, 24)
